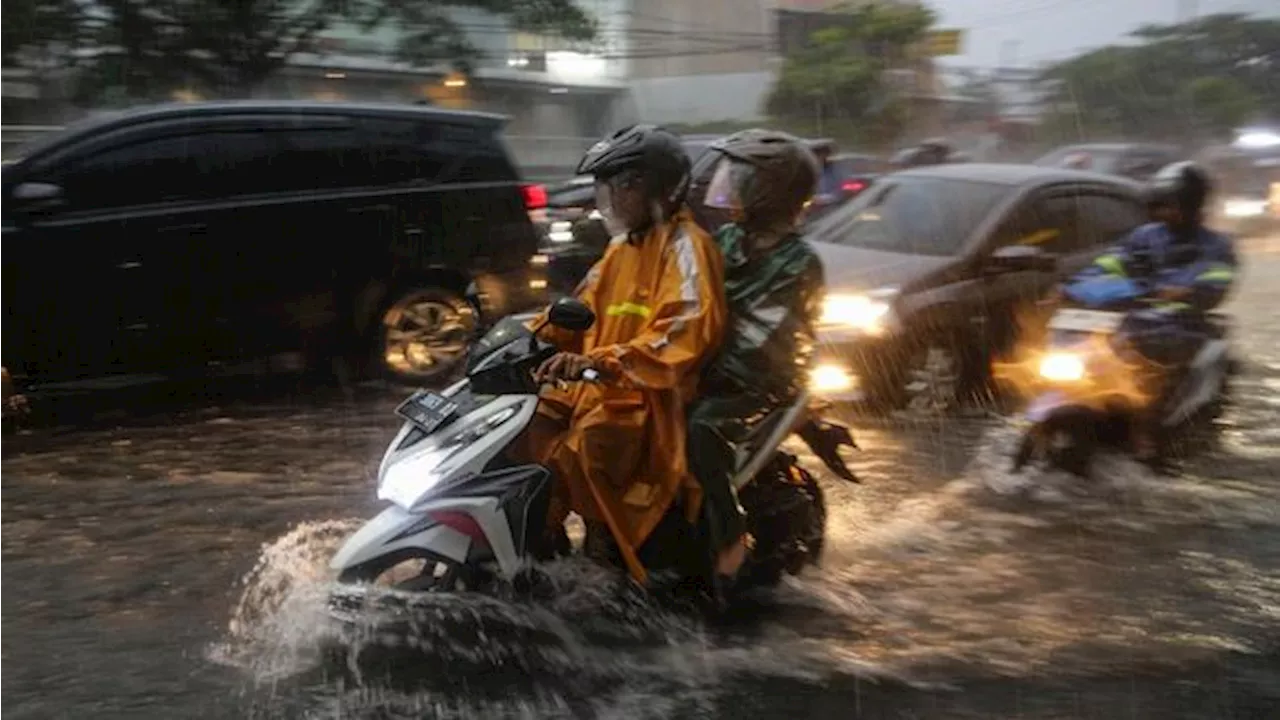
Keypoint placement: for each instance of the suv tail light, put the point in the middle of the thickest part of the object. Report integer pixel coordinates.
(535, 196)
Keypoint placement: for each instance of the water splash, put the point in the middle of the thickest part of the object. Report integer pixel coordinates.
(591, 642)
(279, 623)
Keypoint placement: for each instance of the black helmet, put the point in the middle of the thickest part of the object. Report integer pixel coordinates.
(823, 146)
(1183, 185)
(653, 152)
(934, 151)
(782, 175)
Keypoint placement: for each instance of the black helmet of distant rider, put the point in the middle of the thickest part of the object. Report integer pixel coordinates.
(641, 174)
(1176, 195)
(919, 155)
(934, 151)
(764, 179)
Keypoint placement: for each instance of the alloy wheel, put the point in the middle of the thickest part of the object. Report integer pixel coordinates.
(932, 381)
(425, 335)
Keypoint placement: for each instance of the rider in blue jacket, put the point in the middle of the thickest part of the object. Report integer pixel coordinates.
(1186, 268)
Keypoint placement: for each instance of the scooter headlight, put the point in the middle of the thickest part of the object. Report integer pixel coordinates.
(406, 482)
(1062, 367)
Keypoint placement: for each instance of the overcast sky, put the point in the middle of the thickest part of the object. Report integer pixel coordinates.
(1029, 32)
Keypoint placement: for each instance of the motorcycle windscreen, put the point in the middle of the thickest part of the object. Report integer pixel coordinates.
(1103, 291)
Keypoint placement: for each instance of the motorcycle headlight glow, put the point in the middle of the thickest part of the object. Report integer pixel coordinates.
(1243, 207)
(1062, 367)
(405, 482)
(863, 312)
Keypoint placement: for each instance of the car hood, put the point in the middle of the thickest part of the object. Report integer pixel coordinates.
(857, 270)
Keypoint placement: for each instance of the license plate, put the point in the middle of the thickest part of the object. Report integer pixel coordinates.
(427, 410)
(1090, 321)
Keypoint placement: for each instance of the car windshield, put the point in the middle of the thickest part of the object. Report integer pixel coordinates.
(913, 215)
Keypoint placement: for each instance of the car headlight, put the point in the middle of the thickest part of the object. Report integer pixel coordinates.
(407, 481)
(870, 313)
(829, 379)
(1242, 207)
(1062, 367)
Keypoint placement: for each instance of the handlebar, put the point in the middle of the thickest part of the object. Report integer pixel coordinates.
(589, 375)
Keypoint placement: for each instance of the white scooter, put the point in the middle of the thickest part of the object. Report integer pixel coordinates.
(465, 513)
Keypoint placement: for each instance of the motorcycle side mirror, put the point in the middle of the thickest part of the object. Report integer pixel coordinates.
(571, 314)
(1022, 258)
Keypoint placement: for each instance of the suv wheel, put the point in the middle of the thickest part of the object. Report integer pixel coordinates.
(927, 382)
(932, 380)
(424, 335)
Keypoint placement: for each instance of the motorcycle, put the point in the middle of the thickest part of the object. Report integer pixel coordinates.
(1093, 386)
(469, 514)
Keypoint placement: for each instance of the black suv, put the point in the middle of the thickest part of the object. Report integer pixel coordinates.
(204, 238)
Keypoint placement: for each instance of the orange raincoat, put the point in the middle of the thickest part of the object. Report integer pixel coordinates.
(660, 311)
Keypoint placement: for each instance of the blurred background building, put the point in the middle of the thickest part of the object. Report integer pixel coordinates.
(667, 61)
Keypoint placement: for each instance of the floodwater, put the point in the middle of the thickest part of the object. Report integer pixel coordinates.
(175, 568)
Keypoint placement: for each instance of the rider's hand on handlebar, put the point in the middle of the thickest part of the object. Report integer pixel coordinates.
(562, 367)
(1173, 292)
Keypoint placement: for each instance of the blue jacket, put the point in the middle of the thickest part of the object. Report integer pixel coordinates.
(829, 181)
(1149, 255)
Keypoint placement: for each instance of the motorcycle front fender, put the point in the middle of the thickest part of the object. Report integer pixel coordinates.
(397, 529)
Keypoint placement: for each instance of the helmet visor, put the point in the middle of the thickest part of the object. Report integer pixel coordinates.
(608, 200)
(724, 192)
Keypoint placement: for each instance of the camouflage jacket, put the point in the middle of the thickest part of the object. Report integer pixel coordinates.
(775, 298)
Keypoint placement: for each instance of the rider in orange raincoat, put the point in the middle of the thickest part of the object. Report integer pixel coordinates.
(617, 447)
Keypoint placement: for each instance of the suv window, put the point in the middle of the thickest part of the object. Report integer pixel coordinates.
(1061, 213)
(204, 165)
(485, 160)
(1108, 218)
(328, 157)
(404, 151)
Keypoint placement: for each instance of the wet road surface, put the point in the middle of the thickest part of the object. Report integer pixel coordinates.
(174, 567)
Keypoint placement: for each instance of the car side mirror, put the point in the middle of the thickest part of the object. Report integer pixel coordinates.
(571, 314)
(37, 196)
(1022, 258)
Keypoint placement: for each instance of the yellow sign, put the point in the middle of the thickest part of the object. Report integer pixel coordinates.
(944, 42)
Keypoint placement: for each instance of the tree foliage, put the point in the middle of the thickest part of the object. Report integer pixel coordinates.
(228, 47)
(32, 26)
(1202, 77)
(840, 77)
